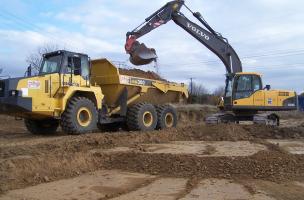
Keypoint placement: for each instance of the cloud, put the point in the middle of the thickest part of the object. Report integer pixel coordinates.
(98, 27)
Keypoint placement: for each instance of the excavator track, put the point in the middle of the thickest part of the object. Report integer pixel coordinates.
(220, 118)
(226, 117)
(266, 119)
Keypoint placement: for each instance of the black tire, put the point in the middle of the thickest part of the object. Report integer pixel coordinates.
(167, 117)
(41, 127)
(142, 117)
(80, 116)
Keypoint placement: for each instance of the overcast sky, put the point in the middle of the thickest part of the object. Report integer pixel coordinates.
(267, 34)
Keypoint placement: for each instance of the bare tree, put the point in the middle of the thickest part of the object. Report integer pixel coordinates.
(198, 94)
(198, 89)
(219, 92)
(34, 59)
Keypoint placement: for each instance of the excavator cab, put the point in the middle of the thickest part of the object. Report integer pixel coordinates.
(240, 87)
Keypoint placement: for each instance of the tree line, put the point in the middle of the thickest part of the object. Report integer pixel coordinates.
(199, 94)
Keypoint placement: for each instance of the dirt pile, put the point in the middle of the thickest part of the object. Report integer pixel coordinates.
(28, 163)
(198, 132)
(266, 165)
(263, 132)
(25, 171)
(141, 74)
(27, 159)
(194, 113)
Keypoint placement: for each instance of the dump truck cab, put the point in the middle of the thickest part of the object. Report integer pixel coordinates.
(43, 99)
(64, 62)
(61, 75)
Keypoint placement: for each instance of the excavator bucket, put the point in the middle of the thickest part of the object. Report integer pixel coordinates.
(142, 55)
(139, 53)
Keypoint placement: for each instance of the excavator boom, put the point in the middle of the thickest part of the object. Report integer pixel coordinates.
(140, 54)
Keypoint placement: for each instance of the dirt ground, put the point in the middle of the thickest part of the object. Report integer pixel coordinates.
(193, 161)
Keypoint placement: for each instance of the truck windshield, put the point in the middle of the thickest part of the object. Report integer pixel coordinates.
(51, 64)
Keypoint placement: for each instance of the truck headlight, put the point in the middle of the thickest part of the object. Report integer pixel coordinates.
(14, 93)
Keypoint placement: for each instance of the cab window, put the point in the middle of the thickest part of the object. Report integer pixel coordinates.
(243, 87)
(85, 68)
(246, 85)
(229, 89)
(74, 65)
(78, 66)
(256, 83)
(50, 64)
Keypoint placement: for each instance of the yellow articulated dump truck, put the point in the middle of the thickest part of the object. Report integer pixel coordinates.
(82, 95)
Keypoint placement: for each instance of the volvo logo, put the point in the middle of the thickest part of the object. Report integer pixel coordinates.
(197, 31)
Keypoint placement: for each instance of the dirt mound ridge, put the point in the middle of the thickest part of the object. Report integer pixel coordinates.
(266, 165)
(30, 163)
(199, 132)
(31, 170)
(141, 74)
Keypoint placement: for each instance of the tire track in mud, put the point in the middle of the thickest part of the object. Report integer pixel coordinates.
(147, 183)
(191, 184)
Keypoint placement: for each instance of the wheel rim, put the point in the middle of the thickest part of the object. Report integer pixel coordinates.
(84, 116)
(148, 119)
(169, 120)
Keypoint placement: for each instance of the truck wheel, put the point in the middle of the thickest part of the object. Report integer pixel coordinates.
(41, 127)
(142, 117)
(167, 117)
(79, 117)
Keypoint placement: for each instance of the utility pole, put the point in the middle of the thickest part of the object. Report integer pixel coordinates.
(191, 89)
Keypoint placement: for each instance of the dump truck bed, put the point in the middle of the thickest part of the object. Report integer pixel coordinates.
(115, 86)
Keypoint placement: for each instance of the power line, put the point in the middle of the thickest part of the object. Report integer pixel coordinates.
(30, 26)
(263, 55)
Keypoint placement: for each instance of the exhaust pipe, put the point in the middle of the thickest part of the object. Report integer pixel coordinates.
(139, 53)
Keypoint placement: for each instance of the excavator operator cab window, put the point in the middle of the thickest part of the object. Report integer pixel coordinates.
(256, 83)
(229, 89)
(246, 85)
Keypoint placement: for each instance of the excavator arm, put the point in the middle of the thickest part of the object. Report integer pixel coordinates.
(140, 54)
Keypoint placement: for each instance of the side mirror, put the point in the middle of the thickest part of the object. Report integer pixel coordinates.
(268, 87)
